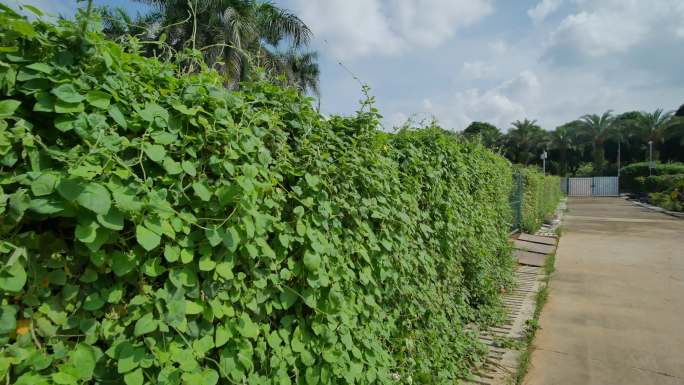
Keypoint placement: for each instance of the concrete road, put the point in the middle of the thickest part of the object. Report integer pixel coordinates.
(615, 314)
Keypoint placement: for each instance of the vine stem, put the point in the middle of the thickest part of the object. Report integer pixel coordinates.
(140, 158)
(89, 11)
(33, 336)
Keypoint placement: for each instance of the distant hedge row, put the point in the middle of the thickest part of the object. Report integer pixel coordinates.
(666, 191)
(541, 195)
(157, 228)
(633, 176)
(671, 197)
(660, 183)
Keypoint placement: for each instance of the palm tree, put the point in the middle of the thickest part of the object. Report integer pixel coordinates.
(597, 129)
(525, 141)
(563, 139)
(234, 36)
(302, 71)
(678, 125)
(656, 127)
(116, 22)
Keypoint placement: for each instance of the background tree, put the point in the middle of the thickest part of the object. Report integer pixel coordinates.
(590, 145)
(117, 23)
(303, 71)
(630, 142)
(674, 145)
(525, 141)
(234, 36)
(563, 139)
(680, 111)
(488, 134)
(654, 126)
(597, 129)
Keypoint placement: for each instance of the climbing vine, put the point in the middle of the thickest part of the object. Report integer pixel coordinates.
(157, 228)
(541, 194)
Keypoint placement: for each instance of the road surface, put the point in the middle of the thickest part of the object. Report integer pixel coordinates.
(615, 314)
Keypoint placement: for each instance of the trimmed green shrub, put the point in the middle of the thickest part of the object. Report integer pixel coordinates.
(661, 183)
(670, 199)
(666, 191)
(585, 170)
(629, 175)
(157, 228)
(540, 199)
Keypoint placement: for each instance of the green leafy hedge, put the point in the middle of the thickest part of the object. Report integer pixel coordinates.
(632, 177)
(666, 191)
(541, 195)
(660, 183)
(157, 228)
(670, 199)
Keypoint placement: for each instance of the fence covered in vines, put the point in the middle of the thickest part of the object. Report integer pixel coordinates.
(157, 228)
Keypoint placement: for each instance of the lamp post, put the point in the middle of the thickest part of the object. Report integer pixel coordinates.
(543, 158)
(618, 159)
(650, 158)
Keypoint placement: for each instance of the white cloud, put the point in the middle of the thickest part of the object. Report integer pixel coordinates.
(478, 69)
(543, 9)
(594, 55)
(428, 23)
(607, 27)
(526, 84)
(679, 13)
(397, 119)
(358, 28)
(350, 27)
(499, 105)
(498, 47)
(491, 106)
(599, 34)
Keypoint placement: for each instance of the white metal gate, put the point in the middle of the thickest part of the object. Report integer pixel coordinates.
(598, 186)
(579, 187)
(605, 186)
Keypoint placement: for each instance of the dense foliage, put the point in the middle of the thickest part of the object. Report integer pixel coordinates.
(541, 195)
(486, 133)
(524, 142)
(633, 177)
(659, 183)
(157, 228)
(671, 197)
(665, 190)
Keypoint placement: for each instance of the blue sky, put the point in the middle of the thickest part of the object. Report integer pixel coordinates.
(492, 60)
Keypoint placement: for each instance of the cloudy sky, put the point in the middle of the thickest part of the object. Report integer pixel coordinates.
(495, 60)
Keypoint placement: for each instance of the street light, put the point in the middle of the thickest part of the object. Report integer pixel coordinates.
(619, 141)
(650, 158)
(543, 158)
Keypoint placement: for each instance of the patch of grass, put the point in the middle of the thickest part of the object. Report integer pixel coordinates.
(559, 231)
(508, 343)
(533, 324)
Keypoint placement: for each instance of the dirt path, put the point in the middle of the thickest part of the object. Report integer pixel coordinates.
(616, 309)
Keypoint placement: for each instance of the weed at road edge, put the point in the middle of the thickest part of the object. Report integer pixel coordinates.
(533, 324)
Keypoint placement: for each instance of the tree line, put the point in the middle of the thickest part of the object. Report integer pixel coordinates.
(591, 145)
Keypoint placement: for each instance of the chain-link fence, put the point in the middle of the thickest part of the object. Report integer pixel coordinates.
(516, 200)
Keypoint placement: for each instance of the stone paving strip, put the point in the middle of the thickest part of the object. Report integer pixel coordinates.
(501, 363)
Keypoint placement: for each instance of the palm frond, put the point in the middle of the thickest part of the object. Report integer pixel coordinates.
(277, 24)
